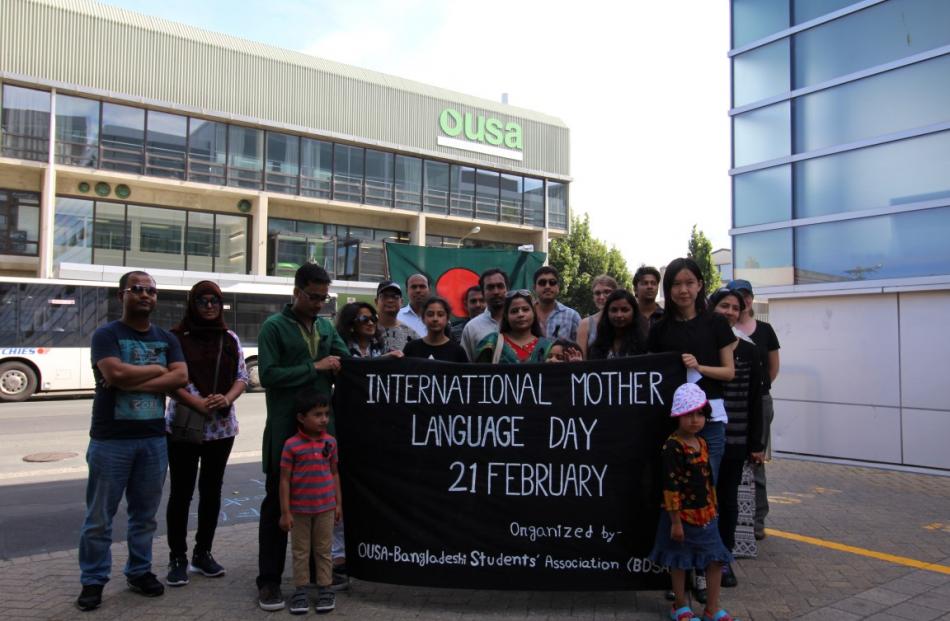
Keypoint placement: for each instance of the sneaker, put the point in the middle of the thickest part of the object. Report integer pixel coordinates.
(759, 533)
(177, 571)
(728, 577)
(146, 584)
(90, 597)
(203, 563)
(299, 602)
(269, 598)
(699, 587)
(326, 601)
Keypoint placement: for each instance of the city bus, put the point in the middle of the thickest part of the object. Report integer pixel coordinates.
(46, 327)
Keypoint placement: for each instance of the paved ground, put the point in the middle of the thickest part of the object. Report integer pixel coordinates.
(903, 517)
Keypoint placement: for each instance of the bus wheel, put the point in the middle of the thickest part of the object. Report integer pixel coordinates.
(17, 381)
(254, 378)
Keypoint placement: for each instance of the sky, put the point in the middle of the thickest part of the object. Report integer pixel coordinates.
(643, 87)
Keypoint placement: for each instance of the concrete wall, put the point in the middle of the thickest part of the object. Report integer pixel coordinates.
(863, 377)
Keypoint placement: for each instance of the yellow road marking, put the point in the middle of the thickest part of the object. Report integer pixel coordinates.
(881, 556)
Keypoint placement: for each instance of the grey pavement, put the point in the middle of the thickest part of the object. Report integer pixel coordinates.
(896, 513)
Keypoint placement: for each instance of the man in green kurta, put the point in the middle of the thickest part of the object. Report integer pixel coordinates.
(295, 349)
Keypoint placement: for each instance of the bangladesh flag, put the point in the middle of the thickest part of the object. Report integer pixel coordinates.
(452, 271)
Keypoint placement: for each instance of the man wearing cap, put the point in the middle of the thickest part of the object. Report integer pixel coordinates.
(766, 342)
(411, 313)
(395, 333)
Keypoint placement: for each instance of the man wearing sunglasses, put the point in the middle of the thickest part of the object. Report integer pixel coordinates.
(296, 350)
(135, 364)
(557, 320)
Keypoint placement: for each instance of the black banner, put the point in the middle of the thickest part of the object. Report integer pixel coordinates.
(538, 476)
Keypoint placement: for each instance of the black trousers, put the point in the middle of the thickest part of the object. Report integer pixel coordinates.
(271, 539)
(727, 492)
(183, 467)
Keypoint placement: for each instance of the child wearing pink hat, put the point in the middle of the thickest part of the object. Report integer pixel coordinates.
(687, 536)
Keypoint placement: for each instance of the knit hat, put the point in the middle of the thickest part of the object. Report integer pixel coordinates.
(687, 399)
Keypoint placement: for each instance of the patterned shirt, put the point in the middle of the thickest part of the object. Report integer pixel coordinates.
(309, 459)
(562, 323)
(687, 481)
(222, 425)
(396, 337)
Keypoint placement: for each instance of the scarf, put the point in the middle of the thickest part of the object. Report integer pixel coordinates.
(200, 340)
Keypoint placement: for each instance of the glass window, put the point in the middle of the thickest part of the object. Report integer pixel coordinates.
(77, 131)
(408, 182)
(110, 234)
(123, 138)
(200, 248)
(282, 168)
(534, 201)
(49, 315)
(316, 168)
(462, 179)
(157, 237)
(379, 178)
(207, 151)
(913, 96)
(762, 196)
(894, 246)
(895, 173)
(19, 222)
(166, 144)
(280, 225)
(24, 123)
(755, 19)
(760, 73)
(230, 256)
(245, 156)
(762, 134)
(436, 193)
(874, 36)
(347, 173)
(486, 195)
(72, 234)
(764, 258)
(806, 10)
(511, 198)
(557, 205)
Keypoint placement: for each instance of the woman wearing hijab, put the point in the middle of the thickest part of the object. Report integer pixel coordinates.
(217, 376)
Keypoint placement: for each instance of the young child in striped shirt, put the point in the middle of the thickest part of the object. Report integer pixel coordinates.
(310, 499)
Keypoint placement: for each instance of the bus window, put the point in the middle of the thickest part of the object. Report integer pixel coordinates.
(8, 322)
(49, 316)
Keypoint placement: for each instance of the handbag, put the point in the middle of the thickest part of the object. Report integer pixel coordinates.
(188, 424)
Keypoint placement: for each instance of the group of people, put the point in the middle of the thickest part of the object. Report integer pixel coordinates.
(729, 357)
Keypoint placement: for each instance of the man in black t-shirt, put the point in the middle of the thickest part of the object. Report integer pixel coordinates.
(135, 364)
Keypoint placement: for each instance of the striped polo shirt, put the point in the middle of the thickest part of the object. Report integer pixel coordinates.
(312, 489)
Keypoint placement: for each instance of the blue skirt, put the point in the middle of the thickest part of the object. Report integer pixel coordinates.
(701, 547)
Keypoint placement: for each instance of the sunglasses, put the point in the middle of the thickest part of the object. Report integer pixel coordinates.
(316, 297)
(208, 302)
(140, 289)
(365, 319)
(521, 292)
(552, 282)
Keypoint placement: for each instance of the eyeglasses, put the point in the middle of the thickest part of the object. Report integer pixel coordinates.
(140, 289)
(365, 319)
(549, 282)
(519, 292)
(316, 297)
(208, 302)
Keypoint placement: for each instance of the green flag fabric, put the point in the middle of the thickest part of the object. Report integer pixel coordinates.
(451, 271)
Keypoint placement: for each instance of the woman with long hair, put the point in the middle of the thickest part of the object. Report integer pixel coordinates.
(705, 342)
(358, 325)
(520, 338)
(436, 344)
(617, 332)
(601, 287)
(217, 376)
(743, 400)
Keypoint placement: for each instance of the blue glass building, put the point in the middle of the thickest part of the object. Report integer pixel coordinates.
(841, 214)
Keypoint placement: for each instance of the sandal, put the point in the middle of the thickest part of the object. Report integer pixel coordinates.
(681, 614)
(721, 615)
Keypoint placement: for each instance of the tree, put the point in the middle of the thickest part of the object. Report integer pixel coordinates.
(700, 250)
(579, 257)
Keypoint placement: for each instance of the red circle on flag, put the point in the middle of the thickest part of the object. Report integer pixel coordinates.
(453, 284)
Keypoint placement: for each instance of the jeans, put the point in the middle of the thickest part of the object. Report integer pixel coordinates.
(135, 468)
(183, 460)
(715, 436)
